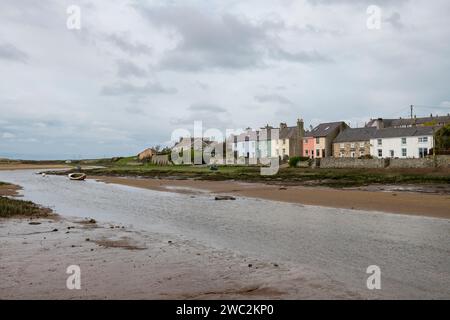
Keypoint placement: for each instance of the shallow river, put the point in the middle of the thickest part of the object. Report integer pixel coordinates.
(412, 252)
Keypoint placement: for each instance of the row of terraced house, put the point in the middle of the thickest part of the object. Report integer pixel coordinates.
(379, 138)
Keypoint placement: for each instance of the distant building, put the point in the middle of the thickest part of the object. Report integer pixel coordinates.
(309, 145)
(381, 123)
(353, 142)
(411, 142)
(147, 154)
(289, 142)
(322, 137)
(246, 146)
(186, 144)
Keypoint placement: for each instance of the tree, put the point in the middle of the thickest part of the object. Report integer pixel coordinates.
(442, 138)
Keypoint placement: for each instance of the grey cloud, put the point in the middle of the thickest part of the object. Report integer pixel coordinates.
(128, 68)
(130, 89)
(123, 42)
(395, 20)
(219, 41)
(357, 2)
(211, 115)
(10, 52)
(267, 98)
(207, 108)
(302, 56)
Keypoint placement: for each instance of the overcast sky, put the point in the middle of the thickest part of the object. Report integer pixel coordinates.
(136, 70)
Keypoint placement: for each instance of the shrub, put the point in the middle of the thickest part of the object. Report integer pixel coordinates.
(295, 160)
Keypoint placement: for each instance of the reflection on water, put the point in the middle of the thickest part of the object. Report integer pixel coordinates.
(412, 252)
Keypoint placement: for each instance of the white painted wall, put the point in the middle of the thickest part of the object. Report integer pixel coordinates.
(412, 146)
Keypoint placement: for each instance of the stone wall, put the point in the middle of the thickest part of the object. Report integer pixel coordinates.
(160, 159)
(341, 163)
(429, 162)
(344, 163)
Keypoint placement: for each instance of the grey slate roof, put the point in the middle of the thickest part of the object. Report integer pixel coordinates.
(324, 129)
(356, 134)
(403, 132)
(288, 132)
(410, 122)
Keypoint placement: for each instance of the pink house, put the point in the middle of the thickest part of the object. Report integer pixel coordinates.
(308, 145)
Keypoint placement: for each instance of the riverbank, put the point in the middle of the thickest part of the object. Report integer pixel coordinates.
(410, 203)
(29, 166)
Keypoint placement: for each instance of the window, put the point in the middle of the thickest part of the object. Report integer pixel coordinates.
(361, 154)
(341, 154)
(317, 140)
(353, 154)
(352, 145)
(380, 153)
(342, 146)
(284, 152)
(404, 152)
(423, 152)
(362, 144)
(284, 141)
(318, 153)
(423, 139)
(306, 152)
(391, 152)
(380, 142)
(403, 141)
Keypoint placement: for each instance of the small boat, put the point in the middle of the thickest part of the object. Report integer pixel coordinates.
(77, 176)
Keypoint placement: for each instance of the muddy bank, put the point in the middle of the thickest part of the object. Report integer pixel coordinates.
(118, 263)
(23, 166)
(410, 203)
(7, 189)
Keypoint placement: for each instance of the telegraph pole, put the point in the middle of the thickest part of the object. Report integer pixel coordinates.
(412, 108)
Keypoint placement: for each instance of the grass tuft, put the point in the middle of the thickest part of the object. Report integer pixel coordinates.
(17, 208)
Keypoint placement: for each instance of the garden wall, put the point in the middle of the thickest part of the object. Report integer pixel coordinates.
(344, 163)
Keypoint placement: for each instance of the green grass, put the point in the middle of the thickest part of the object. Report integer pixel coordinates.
(19, 208)
(295, 176)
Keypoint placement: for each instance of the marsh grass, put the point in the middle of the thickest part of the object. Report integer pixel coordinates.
(20, 208)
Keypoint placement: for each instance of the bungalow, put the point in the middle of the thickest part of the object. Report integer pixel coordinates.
(412, 142)
(353, 142)
(322, 139)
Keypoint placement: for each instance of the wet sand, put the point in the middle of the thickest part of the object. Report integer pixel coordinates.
(410, 203)
(121, 263)
(118, 263)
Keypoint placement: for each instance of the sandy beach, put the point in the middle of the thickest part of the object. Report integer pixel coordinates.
(410, 203)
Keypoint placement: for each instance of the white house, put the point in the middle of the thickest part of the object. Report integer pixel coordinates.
(246, 146)
(412, 142)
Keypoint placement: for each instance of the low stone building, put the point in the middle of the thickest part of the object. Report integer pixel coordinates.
(353, 142)
(147, 154)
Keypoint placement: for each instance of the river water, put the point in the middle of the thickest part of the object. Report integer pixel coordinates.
(412, 252)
